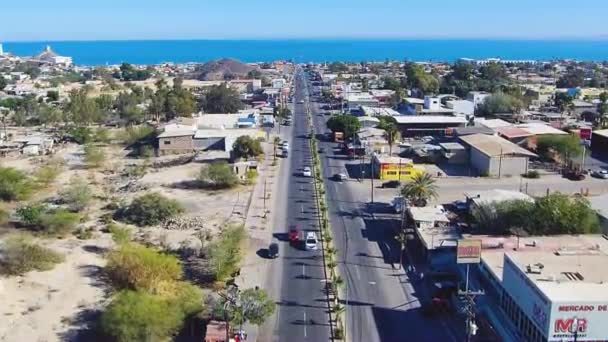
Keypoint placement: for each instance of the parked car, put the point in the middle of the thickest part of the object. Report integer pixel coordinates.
(310, 242)
(575, 175)
(321, 150)
(306, 172)
(339, 177)
(301, 101)
(284, 144)
(273, 250)
(603, 174)
(392, 184)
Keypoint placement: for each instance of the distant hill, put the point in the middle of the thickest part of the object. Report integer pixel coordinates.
(222, 69)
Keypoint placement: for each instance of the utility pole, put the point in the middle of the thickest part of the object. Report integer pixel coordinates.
(469, 252)
(500, 163)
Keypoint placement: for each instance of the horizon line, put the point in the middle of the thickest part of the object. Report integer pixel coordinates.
(304, 38)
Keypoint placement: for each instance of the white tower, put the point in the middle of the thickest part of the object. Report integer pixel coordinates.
(1, 50)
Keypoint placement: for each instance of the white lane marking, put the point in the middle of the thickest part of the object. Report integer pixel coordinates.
(303, 271)
(372, 283)
(304, 323)
(302, 208)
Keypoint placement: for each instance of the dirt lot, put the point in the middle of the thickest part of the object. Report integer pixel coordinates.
(53, 305)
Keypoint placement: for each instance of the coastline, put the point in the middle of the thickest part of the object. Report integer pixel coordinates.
(317, 49)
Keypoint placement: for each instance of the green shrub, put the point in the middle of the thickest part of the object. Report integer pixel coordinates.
(120, 234)
(59, 222)
(247, 147)
(14, 184)
(136, 267)
(85, 233)
(93, 156)
(46, 174)
(532, 174)
(139, 316)
(82, 135)
(150, 209)
(21, 255)
(134, 134)
(102, 135)
(31, 214)
(225, 251)
(251, 176)
(218, 175)
(77, 195)
(145, 151)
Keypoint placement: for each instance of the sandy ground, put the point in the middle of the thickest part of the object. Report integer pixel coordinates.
(45, 306)
(53, 305)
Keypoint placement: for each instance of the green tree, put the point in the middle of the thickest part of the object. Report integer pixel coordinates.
(218, 175)
(348, 124)
(391, 132)
(419, 79)
(139, 316)
(338, 67)
(563, 101)
(225, 252)
(14, 184)
(420, 189)
(499, 103)
(150, 209)
(563, 214)
(602, 110)
(129, 73)
(50, 115)
(567, 147)
(572, 79)
(239, 307)
(3, 82)
(31, 214)
(493, 72)
(77, 195)
(246, 147)
(221, 99)
(81, 109)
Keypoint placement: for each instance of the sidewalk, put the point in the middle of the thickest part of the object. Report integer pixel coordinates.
(257, 225)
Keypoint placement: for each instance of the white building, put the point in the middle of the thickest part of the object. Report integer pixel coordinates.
(278, 83)
(550, 288)
(49, 56)
(461, 107)
(355, 101)
(477, 97)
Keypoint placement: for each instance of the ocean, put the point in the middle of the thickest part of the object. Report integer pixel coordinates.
(314, 50)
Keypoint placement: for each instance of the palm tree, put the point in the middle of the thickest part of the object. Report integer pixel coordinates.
(401, 237)
(420, 190)
(391, 133)
(276, 141)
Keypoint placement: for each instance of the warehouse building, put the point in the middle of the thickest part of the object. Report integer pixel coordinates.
(599, 142)
(496, 157)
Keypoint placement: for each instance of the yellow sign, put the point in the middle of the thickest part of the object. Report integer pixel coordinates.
(468, 252)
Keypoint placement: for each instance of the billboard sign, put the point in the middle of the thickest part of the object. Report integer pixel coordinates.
(468, 251)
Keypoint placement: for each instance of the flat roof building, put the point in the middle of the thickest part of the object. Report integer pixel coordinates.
(494, 156)
(545, 284)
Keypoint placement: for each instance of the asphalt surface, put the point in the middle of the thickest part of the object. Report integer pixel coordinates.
(296, 279)
(382, 300)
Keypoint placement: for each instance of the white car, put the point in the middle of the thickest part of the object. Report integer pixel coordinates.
(603, 174)
(310, 241)
(284, 145)
(306, 172)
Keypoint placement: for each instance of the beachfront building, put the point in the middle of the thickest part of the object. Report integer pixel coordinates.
(394, 168)
(49, 56)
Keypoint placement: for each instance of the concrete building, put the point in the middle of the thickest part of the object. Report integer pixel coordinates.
(454, 153)
(368, 121)
(175, 141)
(599, 141)
(421, 125)
(356, 101)
(379, 111)
(461, 107)
(428, 106)
(548, 288)
(50, 57)
(494, 156)
(278, 82)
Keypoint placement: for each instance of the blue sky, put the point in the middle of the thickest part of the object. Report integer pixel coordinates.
(190, 19)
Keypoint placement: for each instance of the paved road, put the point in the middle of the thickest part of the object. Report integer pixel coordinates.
(296, 279)
(382, 302)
